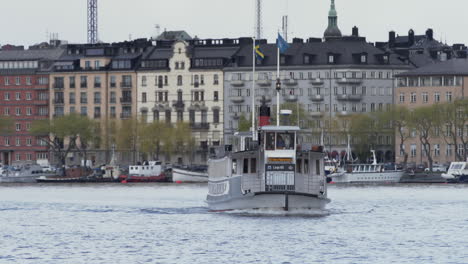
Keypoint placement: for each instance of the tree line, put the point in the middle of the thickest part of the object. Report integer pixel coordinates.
(447, 121)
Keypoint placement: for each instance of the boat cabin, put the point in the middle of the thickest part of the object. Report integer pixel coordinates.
(151, 168)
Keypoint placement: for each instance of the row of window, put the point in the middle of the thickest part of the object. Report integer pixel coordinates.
(28, 96)
(18, 111)
(312, 75)
(59, 82)
(28, 80)
(29, 156)
(425, 97)
(196, 80)
(163, 96)
(436, 150)
(426, 81)
(7, 141)
(19, 64)
(353, 90)
(354, 107)
(167, 114)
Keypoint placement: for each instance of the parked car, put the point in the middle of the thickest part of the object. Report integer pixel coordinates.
(437, 168)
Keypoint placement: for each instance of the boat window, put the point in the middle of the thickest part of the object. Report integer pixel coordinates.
(299, 166)
(245, 166)
(234, 166)
(306, 166)
(270, 141)
(285, 141)
(253, 165)
(317, 167)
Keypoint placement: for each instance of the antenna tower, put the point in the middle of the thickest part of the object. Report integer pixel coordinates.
(92, 21)
(258, 20)
(285, 27)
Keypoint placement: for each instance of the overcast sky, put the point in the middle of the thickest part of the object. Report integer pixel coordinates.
(25, 22)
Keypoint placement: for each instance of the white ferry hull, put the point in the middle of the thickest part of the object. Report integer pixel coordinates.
(377, 177)
(179, 175)
(232, 198)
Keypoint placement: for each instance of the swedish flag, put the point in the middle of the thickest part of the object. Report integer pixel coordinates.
(258, 53)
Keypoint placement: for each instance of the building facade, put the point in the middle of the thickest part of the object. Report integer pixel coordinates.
(98, 81)
(333, 77)
(24, 98)
(182, 81)
(443, 82)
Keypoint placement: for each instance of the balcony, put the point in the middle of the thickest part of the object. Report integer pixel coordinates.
(97, 115)
(125, 100)
(199, 126)
(237, 83)
(267, 98)
(58, 86)
(317, 98)
(198, 103)
(97, 85)
(58, 101)
(237, 99)
(349, 97)
(179, 104)
(264, 82)
(317, 81)
(349, 81)
(291, 98)
(126, 85)
(316, 114)
(290, 82)
(84, 85)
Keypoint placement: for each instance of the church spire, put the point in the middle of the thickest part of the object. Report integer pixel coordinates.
(332, 30)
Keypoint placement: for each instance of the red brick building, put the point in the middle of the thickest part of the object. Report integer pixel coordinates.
(24, 98)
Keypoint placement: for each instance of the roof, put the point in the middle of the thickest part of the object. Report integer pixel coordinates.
(345, 48)
(214, 52)
(35, 54)
(174, 35)
(450, 67)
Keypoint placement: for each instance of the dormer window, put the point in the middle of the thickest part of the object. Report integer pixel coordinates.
(331, 59)
(306, 59)
(177, 65)
(385, 58)
(182, 65)
(363, 58)
(283, 60)
(180, 50)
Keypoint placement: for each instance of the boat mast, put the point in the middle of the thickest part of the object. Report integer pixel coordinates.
(278, 87)
(254, 134)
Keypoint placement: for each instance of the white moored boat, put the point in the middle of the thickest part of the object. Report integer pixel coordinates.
(368, 173)
(457, 172)
(190, 174)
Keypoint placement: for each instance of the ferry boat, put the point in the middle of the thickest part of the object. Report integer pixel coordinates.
(196, 173)
(22, 174)
(272, 173)
(368, 173)
(457, 172)
(151, 171)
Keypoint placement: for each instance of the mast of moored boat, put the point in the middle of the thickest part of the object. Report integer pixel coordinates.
(254, 134)
(278, 85)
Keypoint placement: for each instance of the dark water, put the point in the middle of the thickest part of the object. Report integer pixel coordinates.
(170, 224)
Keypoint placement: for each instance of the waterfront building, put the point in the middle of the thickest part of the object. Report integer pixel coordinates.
(182, 81)
(24, 98)
(98, 81)
(443, 82)
(333, 77)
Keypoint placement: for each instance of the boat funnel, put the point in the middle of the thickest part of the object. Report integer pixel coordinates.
(265, 114)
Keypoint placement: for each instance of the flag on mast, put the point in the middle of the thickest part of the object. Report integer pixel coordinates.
(282, 44)
(258, 52)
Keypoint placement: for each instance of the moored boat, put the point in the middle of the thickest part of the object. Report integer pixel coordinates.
(22, 174)
(151, 171)
(368, 173)
(198, 173)
(457, 173)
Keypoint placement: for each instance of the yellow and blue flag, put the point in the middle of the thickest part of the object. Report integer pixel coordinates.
(258, 53)
(282, 44)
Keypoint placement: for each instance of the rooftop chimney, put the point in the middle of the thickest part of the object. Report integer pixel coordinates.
(430, 34)
(355, 31)
(391, 39)
(410, 37)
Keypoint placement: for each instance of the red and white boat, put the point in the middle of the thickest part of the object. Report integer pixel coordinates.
(151, 171)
